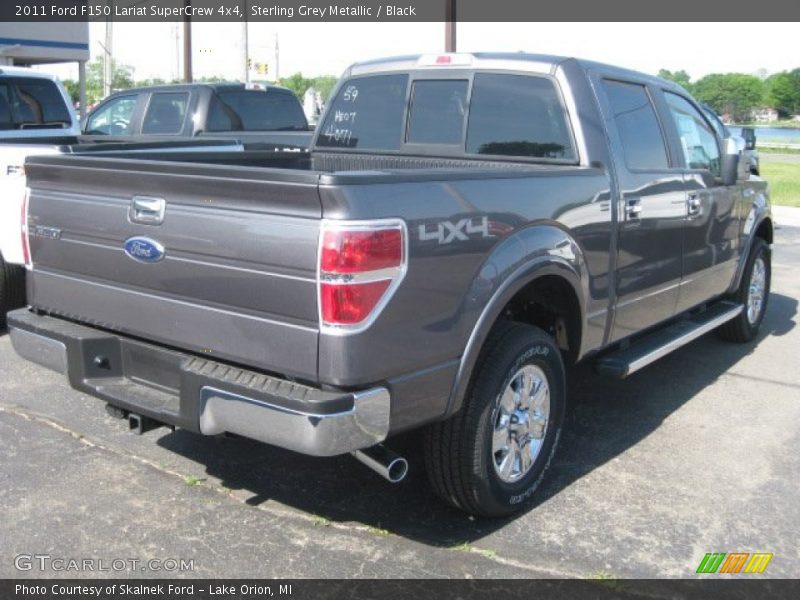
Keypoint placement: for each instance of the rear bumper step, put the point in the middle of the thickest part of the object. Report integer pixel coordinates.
(661, 342)
(202, 395)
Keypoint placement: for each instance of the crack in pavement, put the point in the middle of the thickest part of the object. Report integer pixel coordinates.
(273, 511)
(763, 380)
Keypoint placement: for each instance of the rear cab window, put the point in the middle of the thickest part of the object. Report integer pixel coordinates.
(165, 113)
(366, 114)
(256, 110)
(32, 103)
(518, 115)
(482, 115)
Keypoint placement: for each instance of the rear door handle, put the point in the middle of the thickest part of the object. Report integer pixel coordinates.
(147, 210)
(693, 205)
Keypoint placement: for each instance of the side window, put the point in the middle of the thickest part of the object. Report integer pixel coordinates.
(437, 112)
(6, 118)
(165, 113)
(637, 124)
(698, 141)
(113, 118)
(41, 102)
(518, 115)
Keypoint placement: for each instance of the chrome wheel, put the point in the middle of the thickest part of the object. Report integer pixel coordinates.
(520, 423)
(755, 293)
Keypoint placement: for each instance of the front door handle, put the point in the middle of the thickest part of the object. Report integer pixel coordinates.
(693, 205)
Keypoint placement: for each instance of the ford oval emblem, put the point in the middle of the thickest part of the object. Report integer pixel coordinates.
(144, 249)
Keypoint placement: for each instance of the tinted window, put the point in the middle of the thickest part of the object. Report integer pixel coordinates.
(113, 117)
(517, 115)
(637, 125)
(6, 118)
(367, 114)
(697, 137)
(437, 112)
(256, 110)
(165, 112)
(31, 102)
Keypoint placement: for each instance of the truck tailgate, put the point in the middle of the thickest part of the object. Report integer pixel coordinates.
(231, 270)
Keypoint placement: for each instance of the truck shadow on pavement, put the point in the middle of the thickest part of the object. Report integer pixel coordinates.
(606, 417)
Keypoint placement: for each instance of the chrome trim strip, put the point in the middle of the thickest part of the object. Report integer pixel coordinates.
(684, 339)
(315, 434)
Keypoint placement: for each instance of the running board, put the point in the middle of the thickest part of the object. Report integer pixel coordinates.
(661, 342)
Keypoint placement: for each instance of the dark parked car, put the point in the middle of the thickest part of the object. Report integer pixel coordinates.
(248, 113)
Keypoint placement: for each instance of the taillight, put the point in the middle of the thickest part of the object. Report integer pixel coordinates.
(26, 245)
(360, 266)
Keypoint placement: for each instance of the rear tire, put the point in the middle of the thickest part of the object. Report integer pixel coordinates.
(12, 288)
(489, 458)
(753, 293)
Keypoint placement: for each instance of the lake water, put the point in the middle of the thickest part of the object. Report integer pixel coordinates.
(773, 134)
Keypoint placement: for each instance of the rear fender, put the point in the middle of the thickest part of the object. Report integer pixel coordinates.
(532, 253)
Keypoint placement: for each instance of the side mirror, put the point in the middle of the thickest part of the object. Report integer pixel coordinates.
(749, 135)
(729, 165)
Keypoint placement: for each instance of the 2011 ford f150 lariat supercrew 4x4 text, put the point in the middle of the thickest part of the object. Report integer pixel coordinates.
(465, 226)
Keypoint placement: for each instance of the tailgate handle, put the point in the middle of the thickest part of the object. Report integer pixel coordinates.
(147, 210)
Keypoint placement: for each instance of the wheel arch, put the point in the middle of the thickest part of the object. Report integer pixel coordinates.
(564, 270)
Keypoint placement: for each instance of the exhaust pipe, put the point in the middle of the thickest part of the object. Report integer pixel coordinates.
(384, 462)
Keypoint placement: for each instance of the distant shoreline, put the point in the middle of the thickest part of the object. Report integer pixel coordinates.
(776, 125)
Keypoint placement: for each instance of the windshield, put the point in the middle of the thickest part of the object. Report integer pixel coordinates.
(256, 110)
(32, 103)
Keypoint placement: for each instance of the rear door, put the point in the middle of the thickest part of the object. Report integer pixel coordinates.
(650, 211)
(710, 233)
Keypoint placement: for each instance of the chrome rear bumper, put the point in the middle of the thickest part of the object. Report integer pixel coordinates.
(202, 395)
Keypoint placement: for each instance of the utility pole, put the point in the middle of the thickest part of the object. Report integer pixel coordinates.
(187, 44)
(277, 59)
(450, 26)
(176, 31)
(108, 63)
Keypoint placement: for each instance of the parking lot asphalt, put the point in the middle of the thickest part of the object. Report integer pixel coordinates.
(696, 453)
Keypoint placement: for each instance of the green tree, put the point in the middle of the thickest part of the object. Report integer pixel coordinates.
(73, 89)
(324, 85)
(680, 77)
(783, 92)
(121, 79)
(736, 94)
(297, 83)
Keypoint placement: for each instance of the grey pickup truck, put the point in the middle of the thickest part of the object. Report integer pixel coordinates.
(465, 227)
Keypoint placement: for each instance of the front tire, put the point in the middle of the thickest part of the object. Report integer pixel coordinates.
(12, 288)
(753, 293)
(489, 458)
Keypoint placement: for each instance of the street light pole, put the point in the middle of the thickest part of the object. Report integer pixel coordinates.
(187, 44)
(450, 26)
(246, 46)
(108, 62)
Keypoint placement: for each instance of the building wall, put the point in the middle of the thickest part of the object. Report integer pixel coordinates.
(39, 43)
